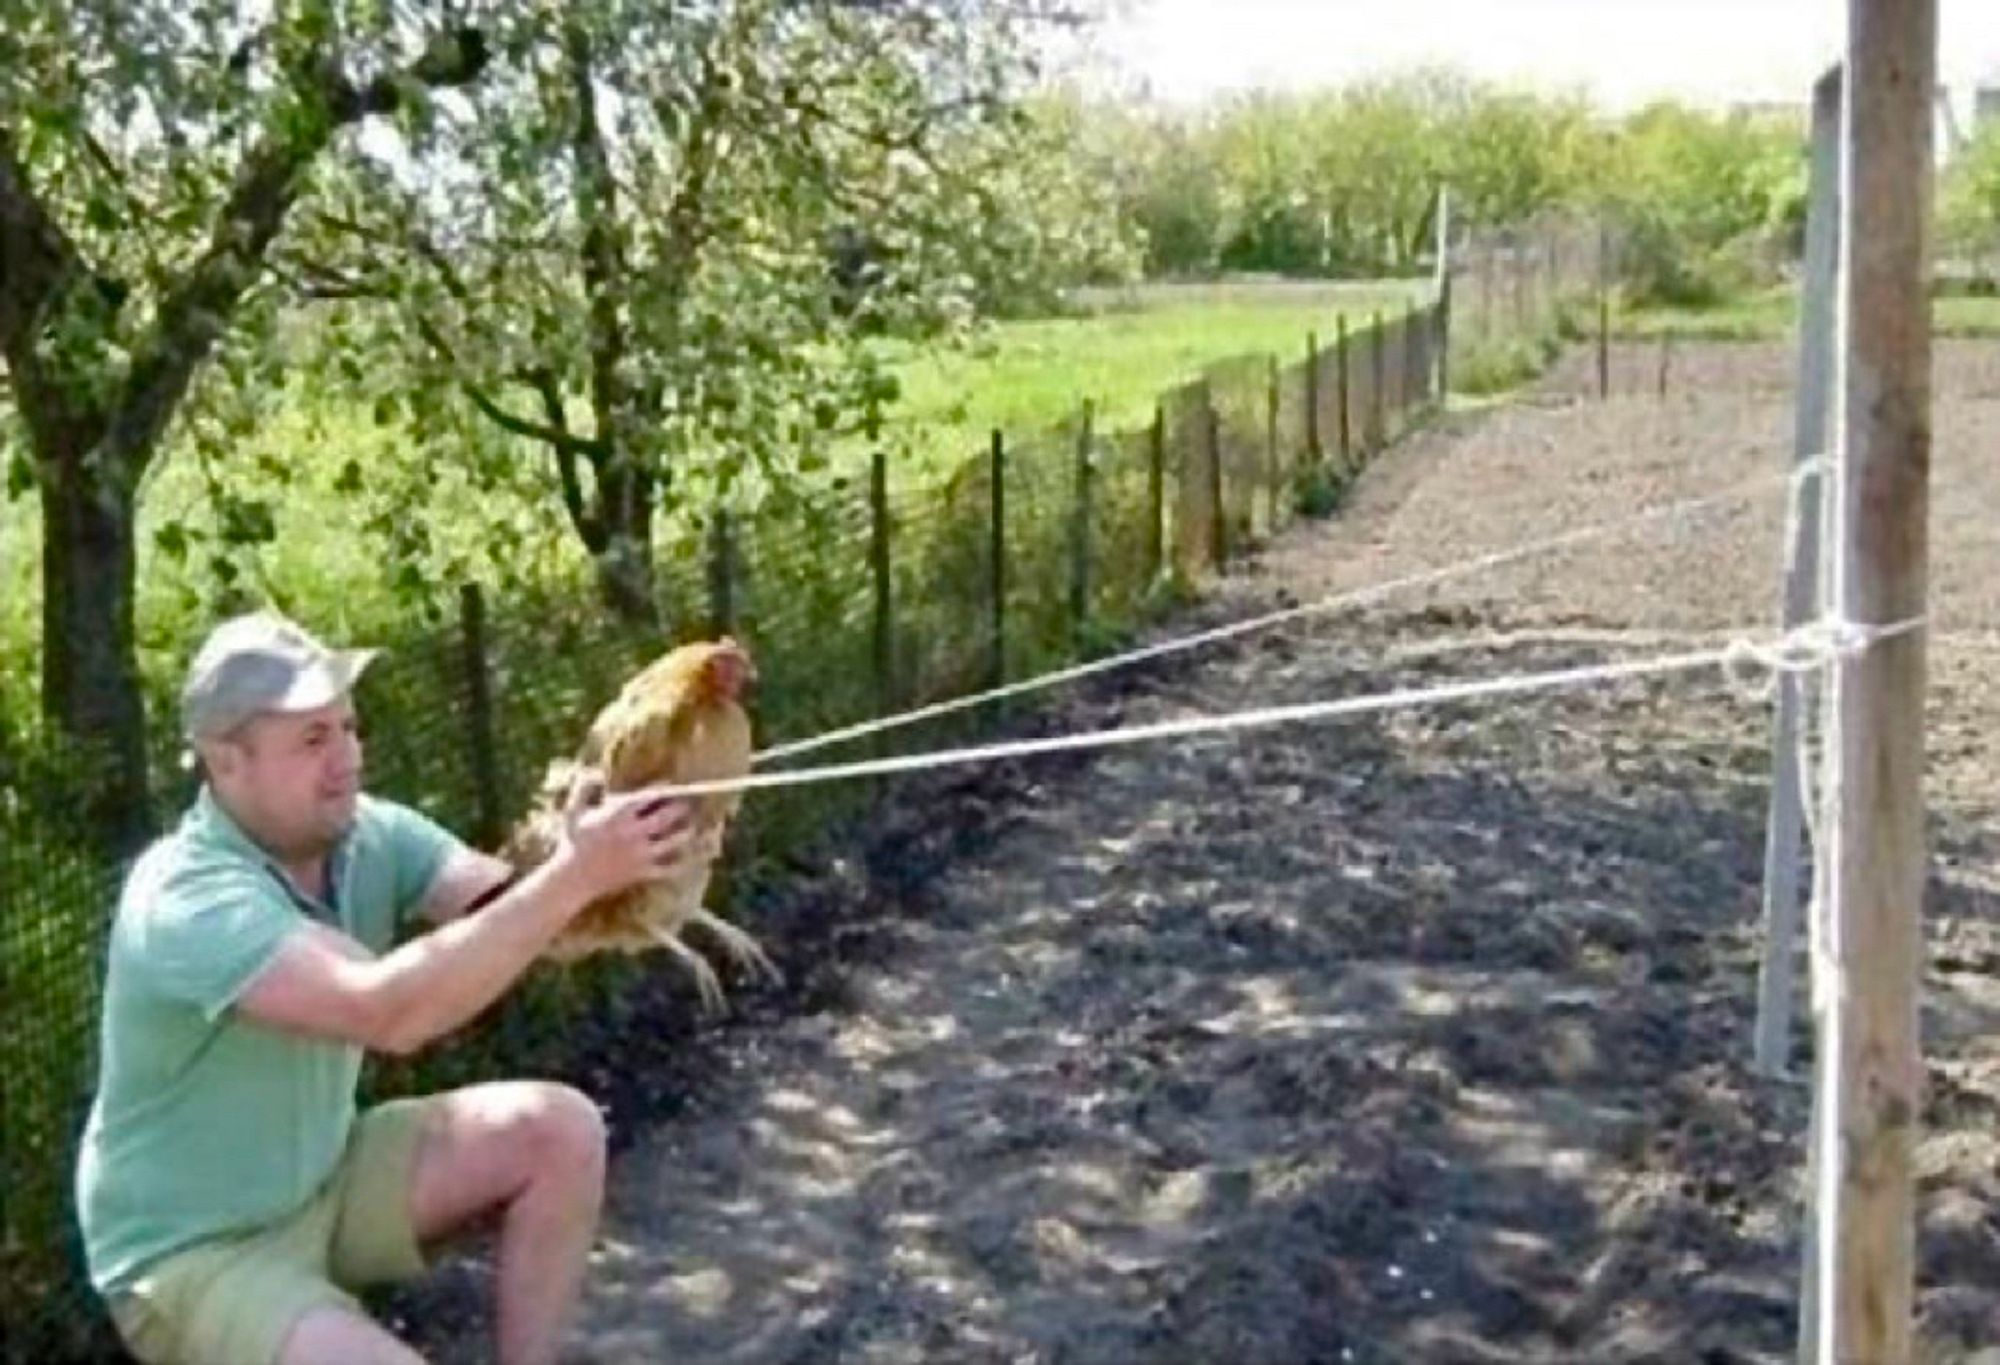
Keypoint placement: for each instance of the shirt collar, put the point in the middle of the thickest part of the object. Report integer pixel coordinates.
(209, 822)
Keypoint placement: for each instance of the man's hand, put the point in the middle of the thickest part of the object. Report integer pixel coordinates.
(321, 984)
(616, 841)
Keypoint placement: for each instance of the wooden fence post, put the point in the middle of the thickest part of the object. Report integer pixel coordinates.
(1397, 398)
(1553, 293)
(997, 664)
(1156, 489)
(878, 558)
(1518, 264)
(1346, 432)
(1378, 373)
(1870, 1076)
(1486, 273)
(1079, 583)
(1218, 515)
(721, 574)
(1603, 312)
(1442, 315)
(1273, 471)
(1414, 378)
(1315, 450)
(482, 745)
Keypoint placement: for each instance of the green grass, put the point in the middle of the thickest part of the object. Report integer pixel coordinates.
(1023, 377)
(548, 651)
(1772, 314)
(1028, 376)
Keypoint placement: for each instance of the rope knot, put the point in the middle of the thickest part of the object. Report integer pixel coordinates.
(1753, 669)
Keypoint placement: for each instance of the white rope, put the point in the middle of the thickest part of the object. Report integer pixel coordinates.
(1824, 960)
(1810, 649)
(1354, 598)
(1805, 648)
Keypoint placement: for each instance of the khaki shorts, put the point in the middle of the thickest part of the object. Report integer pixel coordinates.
(233, 1301)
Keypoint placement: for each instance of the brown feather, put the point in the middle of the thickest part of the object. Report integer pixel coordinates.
(679, 720)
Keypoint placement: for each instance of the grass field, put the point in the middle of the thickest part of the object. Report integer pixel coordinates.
(1023, 377)
(1773, 313)
(1132, 345)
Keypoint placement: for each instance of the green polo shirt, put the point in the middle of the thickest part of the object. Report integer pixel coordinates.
(206, 1123)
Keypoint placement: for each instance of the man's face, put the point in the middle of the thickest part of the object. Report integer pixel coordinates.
(292, 780)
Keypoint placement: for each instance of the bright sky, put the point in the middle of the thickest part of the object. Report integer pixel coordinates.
(1621, 51)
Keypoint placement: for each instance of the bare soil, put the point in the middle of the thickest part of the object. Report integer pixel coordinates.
(1420, 1037)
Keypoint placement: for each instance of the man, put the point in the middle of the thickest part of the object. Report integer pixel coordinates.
(230, 1196)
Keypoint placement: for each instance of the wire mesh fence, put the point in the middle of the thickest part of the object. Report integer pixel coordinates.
(879, 594)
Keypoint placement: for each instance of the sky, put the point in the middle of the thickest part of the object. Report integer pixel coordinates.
(1622, 52)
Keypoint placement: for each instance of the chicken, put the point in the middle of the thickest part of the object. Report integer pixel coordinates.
(679, 720)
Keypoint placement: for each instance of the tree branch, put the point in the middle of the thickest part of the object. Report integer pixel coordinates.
(35, 254)
(623, 488)
(320, 283)
(554, 432)
(38, 261)
(589, 526)
(192, 317)
(557, 434)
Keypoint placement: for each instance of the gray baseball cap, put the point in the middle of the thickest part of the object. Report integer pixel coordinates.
(258, 663)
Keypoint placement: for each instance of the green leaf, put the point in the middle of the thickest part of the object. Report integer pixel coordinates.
(20, 473)
(172, 540)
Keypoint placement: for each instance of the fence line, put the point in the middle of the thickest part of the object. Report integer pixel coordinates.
(1044, 547)
(1340, 601)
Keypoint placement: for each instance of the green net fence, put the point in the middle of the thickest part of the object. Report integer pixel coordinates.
(877, 595)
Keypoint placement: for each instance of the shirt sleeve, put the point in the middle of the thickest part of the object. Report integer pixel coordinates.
(418, 848)
(206, 938)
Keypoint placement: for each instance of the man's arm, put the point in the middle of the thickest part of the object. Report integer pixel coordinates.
(325, 984)
(468, 880)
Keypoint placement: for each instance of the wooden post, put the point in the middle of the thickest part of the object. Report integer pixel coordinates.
(878, 558)
(1156, 490)
(1518, 264)
(1603, 312)
(1218, 515)
(1552, 292)
(997, 561)
(1395, 399)
(1801, 598)
(1315, 450)
(1443, 315)
(1666, 359)
(1486, 272)
(1271, 471)
(1346, 432)
(1413, 378)
(1079, 581)
(1378, 375)
(1870, 1074)
(721, 575)
(481, 741)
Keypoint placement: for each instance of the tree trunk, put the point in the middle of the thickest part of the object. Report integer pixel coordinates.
(625, 565)
(90, 680)
(90, 447)
(625, 491)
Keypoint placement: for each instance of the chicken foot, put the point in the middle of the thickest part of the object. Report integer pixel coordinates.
(706, 982)
(739, 945)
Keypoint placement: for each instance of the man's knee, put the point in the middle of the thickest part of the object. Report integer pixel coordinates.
(334, 1336)
(567, 1131)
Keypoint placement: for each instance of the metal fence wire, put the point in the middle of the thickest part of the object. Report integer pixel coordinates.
(1044, 547)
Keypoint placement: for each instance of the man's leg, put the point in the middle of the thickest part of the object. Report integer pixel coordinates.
(532, 1152)
(334, 1336)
